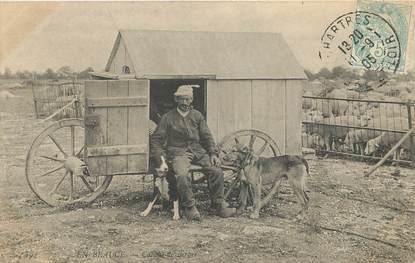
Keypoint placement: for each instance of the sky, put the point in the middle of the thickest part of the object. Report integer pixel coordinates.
(41, 35)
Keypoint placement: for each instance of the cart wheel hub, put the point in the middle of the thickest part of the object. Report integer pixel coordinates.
(74, 165)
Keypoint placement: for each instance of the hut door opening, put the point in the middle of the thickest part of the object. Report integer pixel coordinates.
(162, 96)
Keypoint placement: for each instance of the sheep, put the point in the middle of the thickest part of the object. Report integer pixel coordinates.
(357, 109)
(338, 107)
(324, 107)
(313, 116)
(358, 138)
(312, 141)
(315, 88)
(329, 108)
(388, 123)
(372, 95)
(351, 94)
(308, 104)
(337, 93)
(387, 139)
(388, 111)
(330, 133)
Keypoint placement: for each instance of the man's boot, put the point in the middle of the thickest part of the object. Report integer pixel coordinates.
(223, 210)
(191, 213)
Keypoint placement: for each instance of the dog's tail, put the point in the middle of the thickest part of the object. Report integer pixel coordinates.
(306, 166)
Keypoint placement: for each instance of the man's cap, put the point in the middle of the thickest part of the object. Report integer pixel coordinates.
(185, 90)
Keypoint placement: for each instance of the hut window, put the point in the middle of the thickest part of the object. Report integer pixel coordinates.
(126, 69)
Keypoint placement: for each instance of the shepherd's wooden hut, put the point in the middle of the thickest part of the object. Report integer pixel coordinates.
(247, 80)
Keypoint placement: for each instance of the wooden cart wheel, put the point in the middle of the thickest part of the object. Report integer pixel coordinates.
(258, 143)
(50, 164)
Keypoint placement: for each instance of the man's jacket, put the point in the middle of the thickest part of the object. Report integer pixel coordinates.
(177, 135)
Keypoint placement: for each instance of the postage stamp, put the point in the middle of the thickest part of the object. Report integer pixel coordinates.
(366, 39)
(399, 16)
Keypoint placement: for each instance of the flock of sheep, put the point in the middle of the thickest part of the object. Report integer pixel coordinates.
(370, 113)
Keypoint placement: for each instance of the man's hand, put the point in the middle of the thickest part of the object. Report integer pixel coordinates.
(215, 160)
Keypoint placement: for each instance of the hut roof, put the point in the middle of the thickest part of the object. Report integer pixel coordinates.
(225, 55)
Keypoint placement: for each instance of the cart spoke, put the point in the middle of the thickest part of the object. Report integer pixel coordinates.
(57, 144)
(59, 183)
(71, 188)
(80, 151)
(251, 142)
(260, 151)
(52, 158)
(51, 171)
(72, 140)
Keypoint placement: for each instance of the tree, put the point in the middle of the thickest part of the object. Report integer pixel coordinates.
(27, 74)
(7, 73)
(309, 75)
(370, 75)
(66, 72)
(35, 75)
(339, 72)
(49, 74)
(19, 75)
(343, 73)
(324, 73)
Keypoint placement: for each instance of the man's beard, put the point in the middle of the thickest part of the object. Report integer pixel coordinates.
(185, 107)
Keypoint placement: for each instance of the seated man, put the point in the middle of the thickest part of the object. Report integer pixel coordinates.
(183, 137)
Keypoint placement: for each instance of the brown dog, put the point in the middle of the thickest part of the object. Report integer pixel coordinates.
(265, 171)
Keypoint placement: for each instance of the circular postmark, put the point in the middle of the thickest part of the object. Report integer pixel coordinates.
(363, 39)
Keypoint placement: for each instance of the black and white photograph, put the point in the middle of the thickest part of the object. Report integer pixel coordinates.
(207, 131)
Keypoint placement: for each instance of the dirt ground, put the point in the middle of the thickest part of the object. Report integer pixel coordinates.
(352, 218)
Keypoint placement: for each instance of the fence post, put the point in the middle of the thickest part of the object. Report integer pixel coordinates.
(411, 138)
(34, 100)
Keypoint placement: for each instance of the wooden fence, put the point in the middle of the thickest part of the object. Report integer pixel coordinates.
(50, 96)
(357, 122)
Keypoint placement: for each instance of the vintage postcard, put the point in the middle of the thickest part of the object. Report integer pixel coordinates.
(207, 131)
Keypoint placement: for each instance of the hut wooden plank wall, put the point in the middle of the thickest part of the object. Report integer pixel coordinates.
(272, 106)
